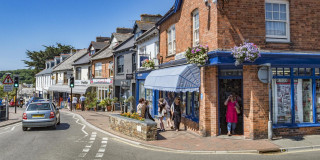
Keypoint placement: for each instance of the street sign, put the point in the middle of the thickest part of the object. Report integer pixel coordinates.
(7, 88)
(8, 80)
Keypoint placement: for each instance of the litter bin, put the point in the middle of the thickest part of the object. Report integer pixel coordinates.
(2, 112)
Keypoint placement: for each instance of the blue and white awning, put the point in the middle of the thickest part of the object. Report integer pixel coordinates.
(184, 78)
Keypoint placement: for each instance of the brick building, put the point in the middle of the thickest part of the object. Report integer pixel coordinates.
(286, 32)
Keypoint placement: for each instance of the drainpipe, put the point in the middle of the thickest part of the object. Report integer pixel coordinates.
(270, 132)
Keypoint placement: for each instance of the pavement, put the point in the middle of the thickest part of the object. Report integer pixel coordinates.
(187, 141)
(13, 117)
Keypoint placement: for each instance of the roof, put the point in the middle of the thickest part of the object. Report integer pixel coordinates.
(85, 59)
(67, 63)
(99, 45)
(106, 52)
(45, 71)
(121, 36)
(144, 25)
(125, 45)
(148, 33)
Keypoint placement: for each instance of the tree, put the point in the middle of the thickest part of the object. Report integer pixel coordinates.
(38, 58)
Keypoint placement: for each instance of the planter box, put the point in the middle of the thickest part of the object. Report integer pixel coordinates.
(144, 130)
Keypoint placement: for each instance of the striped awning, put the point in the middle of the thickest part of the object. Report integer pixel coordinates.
(184, 78)
(67, 89)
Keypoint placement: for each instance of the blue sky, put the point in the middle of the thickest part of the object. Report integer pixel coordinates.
(29, 24)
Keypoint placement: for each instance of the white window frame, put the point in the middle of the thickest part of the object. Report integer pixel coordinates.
(171, 34)
(143, 50)
(98, 70)
(78, 74)
(274, 38)
(195, 30)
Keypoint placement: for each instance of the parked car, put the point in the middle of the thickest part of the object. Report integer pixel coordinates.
(40, 114)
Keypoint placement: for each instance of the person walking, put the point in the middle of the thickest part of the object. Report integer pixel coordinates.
(231, 114)
(139, 106)
(69, 102)
(74, 102)
(168, 113)
(162, 112)
(82, 100)
(176, 109)
(145, 111)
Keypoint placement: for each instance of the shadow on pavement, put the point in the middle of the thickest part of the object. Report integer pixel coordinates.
(62, 126)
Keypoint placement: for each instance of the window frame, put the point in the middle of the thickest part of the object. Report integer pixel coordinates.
(120, 66)
(96, 71)
(275, 38)
(313, 76)
(171, 38)
(78, 73)
(195, 41)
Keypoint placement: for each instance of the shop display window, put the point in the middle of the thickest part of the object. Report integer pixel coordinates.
(141, 90)
(281, 101)
(318, 99)
(303, 100)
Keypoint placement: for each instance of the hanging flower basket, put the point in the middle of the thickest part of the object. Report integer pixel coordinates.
(148, 63)
(245, 52)
(197, 55)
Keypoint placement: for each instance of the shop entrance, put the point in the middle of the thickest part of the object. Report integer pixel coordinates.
(226, 87)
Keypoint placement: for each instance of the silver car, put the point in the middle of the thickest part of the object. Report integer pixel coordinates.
(40, 114)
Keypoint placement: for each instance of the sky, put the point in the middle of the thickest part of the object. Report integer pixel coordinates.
(30, 24)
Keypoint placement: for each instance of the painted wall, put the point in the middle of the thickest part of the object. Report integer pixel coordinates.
(150, 45)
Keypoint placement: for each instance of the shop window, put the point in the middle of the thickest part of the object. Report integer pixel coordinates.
(303, 100)
(274, 71)
(279, 71)
(149, 97)
(316, 71)
(196, 104)
(189, 104)
(295, 71)
(141, 90)
(286, 71)
(318, 99)
(281, 101)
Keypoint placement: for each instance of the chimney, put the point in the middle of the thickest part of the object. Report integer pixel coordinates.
(102, 39)
(150, 17)
(124, 30)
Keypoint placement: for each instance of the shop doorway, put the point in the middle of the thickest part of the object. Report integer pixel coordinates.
(226, 87)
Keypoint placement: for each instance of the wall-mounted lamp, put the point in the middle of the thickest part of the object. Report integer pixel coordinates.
(207, 3)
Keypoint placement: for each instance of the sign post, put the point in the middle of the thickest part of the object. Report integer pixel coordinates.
(8, 86)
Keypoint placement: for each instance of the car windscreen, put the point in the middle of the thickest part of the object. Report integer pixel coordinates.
(39, 106)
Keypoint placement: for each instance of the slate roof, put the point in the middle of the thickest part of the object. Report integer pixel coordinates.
(85, 59)
(143, 25)
(45, 71)
(99, 45)
(103, 53)
(121, 36)
(125, 45)
(67, 63)
(148, 33)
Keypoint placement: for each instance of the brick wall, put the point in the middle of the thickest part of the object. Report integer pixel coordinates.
(105, 67)
(245, 20)
(208, 118)
(255, 104)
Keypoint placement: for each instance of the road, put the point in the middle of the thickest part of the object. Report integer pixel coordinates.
(73, 139)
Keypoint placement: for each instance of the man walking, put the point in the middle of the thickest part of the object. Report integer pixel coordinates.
(74, 102)
(82, 100)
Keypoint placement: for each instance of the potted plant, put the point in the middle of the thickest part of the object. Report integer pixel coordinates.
(114, 100)
(148, 63)
(245, 52)
(106, 103)
(197, 55)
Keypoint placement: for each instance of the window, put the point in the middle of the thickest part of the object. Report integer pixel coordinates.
(156, 49)
(171, 34)
(277, 20)
(98, 70)
(89, 72)
(120, 63)
(65, 79)
(78, 73)
(303, 100)
(281, 101)
(134, 62)
(142, 50)
(111, 69)
(195, 17)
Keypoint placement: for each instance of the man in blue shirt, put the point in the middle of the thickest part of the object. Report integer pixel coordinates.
(82, 100)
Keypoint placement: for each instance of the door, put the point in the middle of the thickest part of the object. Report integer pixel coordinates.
(227, 87)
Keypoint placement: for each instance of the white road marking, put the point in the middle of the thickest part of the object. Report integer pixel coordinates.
(99, 155)
(82, 155)
(88, 146)
(105, 139)
(92, 139)
(93, 136)
(104, 142)
(12, 128)
(94, 132)
(103, 146)
(102, 150)
(84, 126)
(86, 150)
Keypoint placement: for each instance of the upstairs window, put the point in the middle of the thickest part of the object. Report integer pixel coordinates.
(195, 17)
(171, 34)
(277, 20)
(120, 63)
(98, 70)
(78, 73)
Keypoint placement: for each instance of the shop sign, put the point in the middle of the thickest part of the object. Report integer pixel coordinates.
(101, 81)
(81, 82)
(129, 76)
(180, 56)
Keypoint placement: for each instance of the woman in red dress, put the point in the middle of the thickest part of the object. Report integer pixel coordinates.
(231, 116)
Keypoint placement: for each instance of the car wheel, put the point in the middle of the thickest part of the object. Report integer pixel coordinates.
(24, 128)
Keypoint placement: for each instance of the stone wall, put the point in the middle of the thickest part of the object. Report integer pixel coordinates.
(285, 132)
(144, 130)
